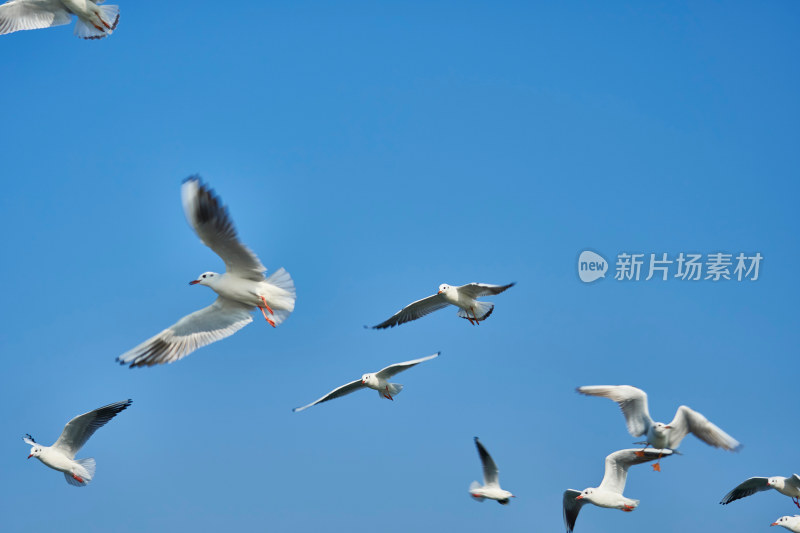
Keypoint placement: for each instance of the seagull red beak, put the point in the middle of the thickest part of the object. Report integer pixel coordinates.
(195, 282)
(31, 455)
(774, 524)
(440, 292)
(579, 497)
(667, 427)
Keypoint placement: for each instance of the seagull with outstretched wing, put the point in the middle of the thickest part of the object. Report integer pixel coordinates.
(94, 21)
(377, 381)
(463, 297)
(491, 480)
(633, 402)
(240, 289)
(61, 455)
(609, 493)
(788, 486)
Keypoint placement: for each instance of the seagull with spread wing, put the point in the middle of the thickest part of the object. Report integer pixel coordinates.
(633, 403)
(61, 455)
(463, 297)
(240, 289)
(609, 493)
(378, 381)
(94, 21)
(491, 480)
(788, 486)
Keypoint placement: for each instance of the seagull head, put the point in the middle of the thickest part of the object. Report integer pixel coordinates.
(585, 495)
(660, 427)
(444, 287)
(36, 450)
(776, 482)
(784, 521)
(366, 379)
(206, 278)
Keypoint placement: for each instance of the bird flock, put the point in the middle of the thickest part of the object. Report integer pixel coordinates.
(243, 287)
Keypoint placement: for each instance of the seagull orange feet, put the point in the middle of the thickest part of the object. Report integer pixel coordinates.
(387, 395)
(77, 478)
(627, 508)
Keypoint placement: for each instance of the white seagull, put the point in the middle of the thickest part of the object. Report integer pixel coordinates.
(788, 486)
(792, 523)
(241, 288)
(94, 21)
(377, 381)
(609, 493)
(61, 455)
(633, 403)
(463, 297)
(491, 483)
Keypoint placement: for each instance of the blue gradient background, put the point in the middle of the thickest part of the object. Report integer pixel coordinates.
(377, 150)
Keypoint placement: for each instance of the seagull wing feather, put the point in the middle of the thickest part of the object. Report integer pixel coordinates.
(688, 420)
(19, 15)
(210, 220)
(335, 393)
(391, 370)
(79, 429)
(631, 400)
(414, 310)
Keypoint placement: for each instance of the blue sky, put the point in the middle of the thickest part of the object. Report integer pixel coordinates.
(376, 150)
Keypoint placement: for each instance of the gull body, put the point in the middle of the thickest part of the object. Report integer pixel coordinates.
(94, 21)
(609, 493)
(464, 297)
(61, 455)
(792, 523)
(378, 381)
(633, 403)
(788, 486)
(241, 288)
(491, 481)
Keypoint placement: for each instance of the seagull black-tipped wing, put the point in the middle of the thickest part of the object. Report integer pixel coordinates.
(79, 429)
(746, 488)
(221, 319)
(336, 393)
(490, 472)
(571, 508)
(210, 220)
(414, 310)
(476, 290)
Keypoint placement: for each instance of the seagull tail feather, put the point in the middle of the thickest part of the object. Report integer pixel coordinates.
(481, 311)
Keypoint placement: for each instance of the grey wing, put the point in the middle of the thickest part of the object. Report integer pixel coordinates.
(747, 488)
(617, 465)
(210, 220)
(795, 480)
(336, 393)
(414, 310)
(391, 370)
(221, 319)
(19, 15)
(79, 429)
(631, 400)
(476, 290)
(688, 420)
(490, 472)
(571, 508)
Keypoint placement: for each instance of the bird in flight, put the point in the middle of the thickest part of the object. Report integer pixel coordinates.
(94, 21)
(633, 403)
(240, 289)
(491, 481)
(378, 381)
(609, 493)
(61, 455)
(463, 297)
(788, 486)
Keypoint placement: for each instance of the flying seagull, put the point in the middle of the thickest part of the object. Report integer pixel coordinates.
(377, 381)
(463, 297)
(94, 21)
(633, 403)
(792, 523)
(609, 493)
(61, 455)
(788, 486)
(240, 289)
(491, 483)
